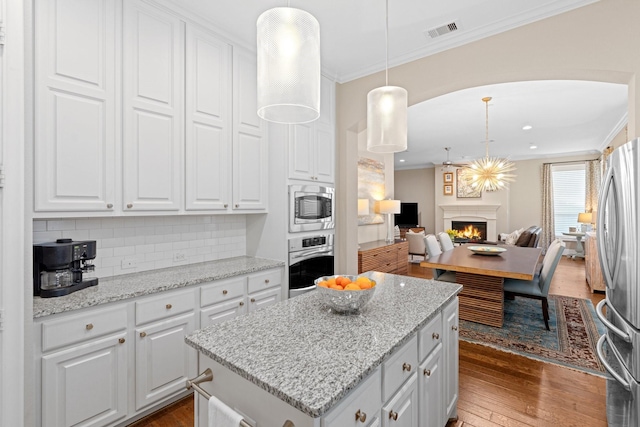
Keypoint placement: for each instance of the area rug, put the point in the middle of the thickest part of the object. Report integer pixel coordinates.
(571, 342)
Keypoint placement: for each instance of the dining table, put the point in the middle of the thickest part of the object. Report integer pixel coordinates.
(481, 270)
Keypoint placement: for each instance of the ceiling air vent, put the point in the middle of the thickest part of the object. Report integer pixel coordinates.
(442, 30)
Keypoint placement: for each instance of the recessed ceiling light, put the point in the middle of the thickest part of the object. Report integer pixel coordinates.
(532, 146)
(527, 127)
(401, 160)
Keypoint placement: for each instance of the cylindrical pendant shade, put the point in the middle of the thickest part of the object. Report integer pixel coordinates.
(288, 66)
(387, 119)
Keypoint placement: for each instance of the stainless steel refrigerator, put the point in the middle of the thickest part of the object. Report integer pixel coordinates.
(618, 235)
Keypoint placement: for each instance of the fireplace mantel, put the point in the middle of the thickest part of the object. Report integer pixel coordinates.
(475, 212)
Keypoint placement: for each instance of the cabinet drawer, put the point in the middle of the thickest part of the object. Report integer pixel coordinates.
(429, 336)
(223, 290)
(366, 400)
(396, 370)
(264, 280)
(164, 305)
(82, 327)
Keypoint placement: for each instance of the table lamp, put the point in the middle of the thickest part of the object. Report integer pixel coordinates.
(389, 207)
(586, 219)
(363, 207)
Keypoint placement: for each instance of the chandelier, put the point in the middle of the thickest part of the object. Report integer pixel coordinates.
(489, 173)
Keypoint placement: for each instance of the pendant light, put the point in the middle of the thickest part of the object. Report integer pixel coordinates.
(489, 173)
(288, 66)
(387, 111)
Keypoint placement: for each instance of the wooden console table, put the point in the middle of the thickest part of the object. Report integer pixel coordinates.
(592, 263)
(384, 257)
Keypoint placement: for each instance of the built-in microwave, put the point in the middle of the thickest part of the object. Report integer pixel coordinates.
(311, 207)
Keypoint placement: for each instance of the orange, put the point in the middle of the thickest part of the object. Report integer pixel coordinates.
(364, 285)
(336, 287)
(331, 282)
(338, 280)
(352, 287)
(323, 284)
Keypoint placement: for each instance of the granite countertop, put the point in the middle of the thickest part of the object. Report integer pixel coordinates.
(310, 357)
(133, 285)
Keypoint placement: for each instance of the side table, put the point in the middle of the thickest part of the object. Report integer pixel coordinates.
(579, 248)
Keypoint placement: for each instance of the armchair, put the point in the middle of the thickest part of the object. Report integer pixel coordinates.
(416, 243)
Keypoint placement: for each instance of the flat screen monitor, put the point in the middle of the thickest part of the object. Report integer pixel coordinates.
(408, 216)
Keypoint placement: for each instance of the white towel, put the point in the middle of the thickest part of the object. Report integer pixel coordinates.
(220, 415)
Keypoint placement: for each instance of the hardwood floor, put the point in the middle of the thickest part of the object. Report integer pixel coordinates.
(498, 388)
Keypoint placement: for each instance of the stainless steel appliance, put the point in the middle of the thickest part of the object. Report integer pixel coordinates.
(309, 258)
(63, 267)
(311, 207)
(618, 229)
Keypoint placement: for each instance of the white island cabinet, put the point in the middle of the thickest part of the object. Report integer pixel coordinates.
(299, 361)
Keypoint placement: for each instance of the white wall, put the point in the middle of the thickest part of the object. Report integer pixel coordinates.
(150, 241)
(418, 185)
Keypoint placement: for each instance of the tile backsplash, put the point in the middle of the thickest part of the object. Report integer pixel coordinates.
(130, 245)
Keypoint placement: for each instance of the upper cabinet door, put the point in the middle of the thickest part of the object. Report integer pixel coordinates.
(153, 88)
(74, 152)
(250, 146)
(208, 121)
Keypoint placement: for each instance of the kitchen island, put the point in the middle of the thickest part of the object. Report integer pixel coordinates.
(300, 361)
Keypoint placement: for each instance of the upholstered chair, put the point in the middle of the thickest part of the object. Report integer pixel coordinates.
(416, 243)
(538, 288)
(445, 241)
(433, 250)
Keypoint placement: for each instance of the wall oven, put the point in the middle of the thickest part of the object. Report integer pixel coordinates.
(311, 207)
(309, 258)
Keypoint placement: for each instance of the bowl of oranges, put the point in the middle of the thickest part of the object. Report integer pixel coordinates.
(345, 294)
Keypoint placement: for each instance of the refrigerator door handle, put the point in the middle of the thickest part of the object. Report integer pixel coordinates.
(601, 242)
(624, 383)
(619, 332)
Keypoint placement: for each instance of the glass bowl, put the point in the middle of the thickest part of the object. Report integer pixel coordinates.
(344, 301)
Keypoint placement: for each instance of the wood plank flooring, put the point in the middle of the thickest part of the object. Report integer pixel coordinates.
(498, 388)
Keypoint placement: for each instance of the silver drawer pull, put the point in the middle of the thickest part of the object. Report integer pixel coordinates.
(143, 334)
(121, 340)
(266, 280)
(427, 372)
(224, 292)
(168, 306)
(129, 205)
(241, 303)
(361, 416)
(393, 416)
(109, 205)
(406, 367)
(253, 300)
(89, 326)
(435, 336)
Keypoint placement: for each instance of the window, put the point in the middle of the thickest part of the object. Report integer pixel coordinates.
(568, 195)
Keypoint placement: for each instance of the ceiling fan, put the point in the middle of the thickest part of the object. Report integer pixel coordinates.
(448, 164)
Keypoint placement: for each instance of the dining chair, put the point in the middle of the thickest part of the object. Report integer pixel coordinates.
(538, 288)
(433, 250)
(416, 244)
(445, 241)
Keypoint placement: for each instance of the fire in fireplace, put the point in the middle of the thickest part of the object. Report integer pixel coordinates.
(469, 231)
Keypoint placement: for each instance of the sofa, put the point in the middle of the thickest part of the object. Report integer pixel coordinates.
(527, 238)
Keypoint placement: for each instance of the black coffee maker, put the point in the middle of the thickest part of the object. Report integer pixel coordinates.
(63, 267)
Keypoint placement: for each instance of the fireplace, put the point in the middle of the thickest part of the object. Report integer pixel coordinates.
(469, 231)
(472, 213)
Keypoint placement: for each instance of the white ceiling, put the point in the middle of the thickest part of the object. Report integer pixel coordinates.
(568, 117)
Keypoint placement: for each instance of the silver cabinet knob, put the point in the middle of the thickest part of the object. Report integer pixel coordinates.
(143, 334)
(266, 280)
(406, 367)
(109, 205)
(241, 303)
(393, 416)
(121, 340)
(427, 372)
(361, 416)
(435, 336)
(237, 206)
(226, 205)
(454, 327)
(253, 300)
(129, 205)
(224, 292)
(89, 326)
(168, 306)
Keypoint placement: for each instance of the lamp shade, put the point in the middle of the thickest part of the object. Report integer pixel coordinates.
(387, 119)
(363, 206)
(389, 206)
(585, 217)
(288, 66)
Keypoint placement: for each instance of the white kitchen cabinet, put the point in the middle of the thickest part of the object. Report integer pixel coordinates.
(250, 144)
(75, 105)
(83, 368)
(312, 145)
(402, 409)
(153, 108)
(430, 388)
(450, 350)
(359, 409)
(222, 300)
(208, 124)
(163, 362)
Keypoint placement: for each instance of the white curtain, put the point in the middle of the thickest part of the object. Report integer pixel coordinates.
(548, 226)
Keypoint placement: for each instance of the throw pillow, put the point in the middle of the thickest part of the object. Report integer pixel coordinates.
(524, 238)
(513, 237)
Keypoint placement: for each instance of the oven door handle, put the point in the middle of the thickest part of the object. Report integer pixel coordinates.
(306, 254)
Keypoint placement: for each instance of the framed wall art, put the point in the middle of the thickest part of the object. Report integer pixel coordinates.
(464, 188)
(448, 190)
(447, 177)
